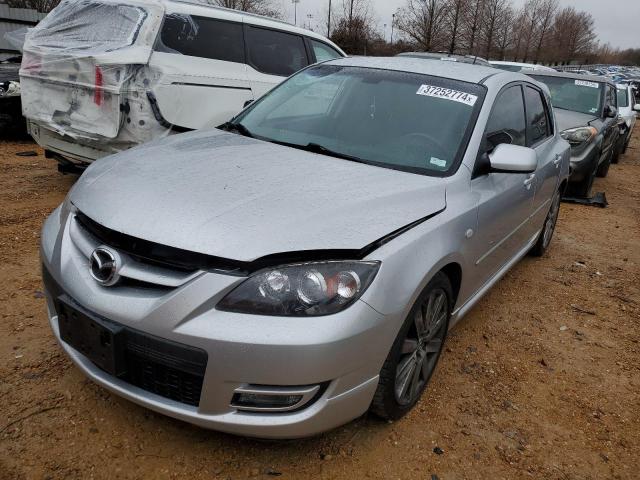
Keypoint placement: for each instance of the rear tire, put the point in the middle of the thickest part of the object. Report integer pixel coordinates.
(415, 351)
(549, 226)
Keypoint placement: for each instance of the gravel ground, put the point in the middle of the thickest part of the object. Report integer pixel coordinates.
(540, 380)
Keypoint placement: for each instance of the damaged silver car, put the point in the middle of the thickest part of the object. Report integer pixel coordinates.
(282, 276)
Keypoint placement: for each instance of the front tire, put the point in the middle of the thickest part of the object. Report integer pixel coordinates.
(415, 351)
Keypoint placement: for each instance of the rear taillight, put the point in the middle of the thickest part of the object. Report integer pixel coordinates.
(31, 62)
(97, 95)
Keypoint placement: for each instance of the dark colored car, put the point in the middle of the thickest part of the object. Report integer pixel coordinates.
(447, 57)
(11, 119)
(586, 109)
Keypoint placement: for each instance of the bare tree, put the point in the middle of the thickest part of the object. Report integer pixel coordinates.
(505, 33)
(573, 34)
(354, 26)
(422, 21)
(454, 15)
(473, 24)
(261, 7)
(493, 13)
(546, 15)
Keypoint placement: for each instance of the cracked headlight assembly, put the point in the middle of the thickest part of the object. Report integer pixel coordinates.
(579, 136)
(302, 290)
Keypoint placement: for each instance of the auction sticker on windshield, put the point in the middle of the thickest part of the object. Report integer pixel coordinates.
(448, 94)
(584, 83)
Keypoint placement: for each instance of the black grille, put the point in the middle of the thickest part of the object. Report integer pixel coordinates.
(163, 367)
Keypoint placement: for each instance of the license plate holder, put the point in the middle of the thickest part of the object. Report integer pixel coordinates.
(99, 340)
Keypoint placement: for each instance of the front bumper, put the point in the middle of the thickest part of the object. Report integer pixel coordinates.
(343, 352)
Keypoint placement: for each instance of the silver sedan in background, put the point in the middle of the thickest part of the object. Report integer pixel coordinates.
(283, 274)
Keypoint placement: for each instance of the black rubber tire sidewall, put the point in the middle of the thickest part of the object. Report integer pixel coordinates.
(384, 403)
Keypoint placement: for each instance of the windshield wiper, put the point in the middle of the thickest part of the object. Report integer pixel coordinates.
(237, 127)
(317, 148)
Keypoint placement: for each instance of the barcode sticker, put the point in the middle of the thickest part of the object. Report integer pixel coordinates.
(448, 94)
(584, 83)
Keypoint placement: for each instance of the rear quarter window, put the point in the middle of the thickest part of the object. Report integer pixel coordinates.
(202, 37)
(275, 53)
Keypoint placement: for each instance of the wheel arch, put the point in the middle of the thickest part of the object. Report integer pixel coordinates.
(453, 271)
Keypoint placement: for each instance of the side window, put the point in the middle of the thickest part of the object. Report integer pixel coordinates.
(275, 53)
(612, 99)
(202, 37)
(538, 127)
(323, 52)
(507, 121)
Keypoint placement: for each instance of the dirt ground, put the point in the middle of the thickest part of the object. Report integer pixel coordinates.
(541, 380)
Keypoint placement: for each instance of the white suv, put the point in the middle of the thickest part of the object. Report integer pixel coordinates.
(101, 76)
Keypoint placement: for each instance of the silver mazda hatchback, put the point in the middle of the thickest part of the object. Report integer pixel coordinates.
(302, 264)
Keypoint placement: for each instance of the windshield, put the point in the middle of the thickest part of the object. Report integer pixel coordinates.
(584, 96)
(623, 97)
(399, 120)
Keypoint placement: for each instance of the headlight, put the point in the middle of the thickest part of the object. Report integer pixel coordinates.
(579, 136)
(302, 290)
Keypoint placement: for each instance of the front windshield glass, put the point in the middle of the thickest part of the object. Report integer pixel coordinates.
(623, 97)
(399, 120)
(584, 96)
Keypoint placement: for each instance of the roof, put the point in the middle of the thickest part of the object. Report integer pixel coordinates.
(573, 76)
(453, 70)
(446, 57)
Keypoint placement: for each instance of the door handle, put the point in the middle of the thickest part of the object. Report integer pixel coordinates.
(557, 160)
(529, 181)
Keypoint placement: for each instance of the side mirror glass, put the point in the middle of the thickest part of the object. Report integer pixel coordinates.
(611, 112)
(508, 158)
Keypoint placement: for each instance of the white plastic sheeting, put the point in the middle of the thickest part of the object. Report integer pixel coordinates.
(84, 72)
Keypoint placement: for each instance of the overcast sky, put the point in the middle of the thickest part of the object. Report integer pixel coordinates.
(617, 21)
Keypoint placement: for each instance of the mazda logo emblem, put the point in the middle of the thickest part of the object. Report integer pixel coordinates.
(104, 266)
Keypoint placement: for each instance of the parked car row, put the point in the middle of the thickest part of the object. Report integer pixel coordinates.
(301, 264)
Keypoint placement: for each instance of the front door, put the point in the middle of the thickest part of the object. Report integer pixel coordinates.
(505, 200)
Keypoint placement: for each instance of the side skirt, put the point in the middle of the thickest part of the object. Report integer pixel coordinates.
(461, 311)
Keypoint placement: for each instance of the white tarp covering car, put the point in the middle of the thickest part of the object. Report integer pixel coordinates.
(101, 76)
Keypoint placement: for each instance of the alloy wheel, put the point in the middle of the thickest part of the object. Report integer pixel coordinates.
(421, 347)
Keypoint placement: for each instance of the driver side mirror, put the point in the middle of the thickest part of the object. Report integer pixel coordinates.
(611, 112)
(508, 158)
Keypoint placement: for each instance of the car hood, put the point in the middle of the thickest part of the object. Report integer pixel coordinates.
(567, 119)
(240, 198)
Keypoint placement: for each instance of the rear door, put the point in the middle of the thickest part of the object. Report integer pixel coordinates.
(199, 63)
(78, 61)
(548, 147)
(505, 200)
(272, 56)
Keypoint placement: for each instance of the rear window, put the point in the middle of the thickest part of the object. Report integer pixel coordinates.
(89, 26)
(275, 53)
(202, 37)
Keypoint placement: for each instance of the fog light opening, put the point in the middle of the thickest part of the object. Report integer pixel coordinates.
(258, 398)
